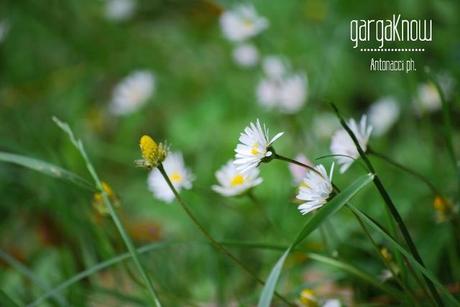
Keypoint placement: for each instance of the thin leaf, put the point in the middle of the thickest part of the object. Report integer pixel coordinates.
(18, 266)
(46, 168)
(428, 274)
(94, 269)
(108, 203)
(315, 220)
(358, 273)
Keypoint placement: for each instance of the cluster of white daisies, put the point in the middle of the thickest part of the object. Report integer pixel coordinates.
(255, 146)
(280, 87)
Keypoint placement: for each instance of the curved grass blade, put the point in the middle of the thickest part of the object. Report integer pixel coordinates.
(358, 273)
(156, 246)
(46, 168)
(18, 266)
(113, 214)
(428, 274)
(313, 222)
(94, 269)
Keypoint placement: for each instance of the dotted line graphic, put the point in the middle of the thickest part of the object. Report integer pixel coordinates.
(392, 49)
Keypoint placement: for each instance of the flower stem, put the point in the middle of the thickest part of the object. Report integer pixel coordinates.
(391, 206)
(208, 236)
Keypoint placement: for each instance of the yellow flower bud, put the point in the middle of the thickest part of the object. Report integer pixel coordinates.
(308, 298)
(152, 153)
(443, 209)
(98, 200)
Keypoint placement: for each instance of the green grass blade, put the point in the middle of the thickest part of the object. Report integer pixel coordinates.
(96, 268)
(428, 274)
(22, 269)
(113, 214)
(313, 222)
(156, 246)
(46, 168)
(6, 300)
(358, 273)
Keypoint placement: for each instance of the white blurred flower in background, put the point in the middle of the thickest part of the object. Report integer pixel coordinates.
(233, 183)
(343, 145)
(242, 22)
(325, 124)
(132, 92)
(253, 147)
(315, 189)
(298, 172)
(273, 66)
(332, 303)
(281, 89)
(4, 29)
(180, 177)
(427, 98)
(293, 93)
(246, 55)
(119, 10)
(383, 114)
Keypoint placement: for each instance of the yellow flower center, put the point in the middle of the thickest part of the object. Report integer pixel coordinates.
(237, 180)
(176, 177)
(248, 23)
(255, 149)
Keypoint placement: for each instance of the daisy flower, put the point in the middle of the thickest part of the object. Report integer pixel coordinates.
(119, 10)
(254, 147)
(241, 23)
(180, 177)
(315, 189)
(233, 183)
(298, 172)
(280, 88)
(132, 92)
(293, 93)
(383, 114)
(342, 144)
(246, 55)
(427, 98)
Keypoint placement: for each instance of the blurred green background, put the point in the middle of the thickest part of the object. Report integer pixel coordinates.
(63, 58)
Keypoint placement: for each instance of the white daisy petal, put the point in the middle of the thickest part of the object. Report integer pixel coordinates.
(232, 182)
(132, 92)
(383, 114)
(246, 55)
(242, 23)
(315, 189)
(253, 146)
(343, 146)
(280, 88)
(180, 177)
